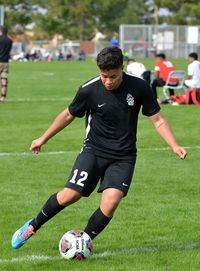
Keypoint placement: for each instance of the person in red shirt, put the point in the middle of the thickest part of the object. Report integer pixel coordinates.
(162, 69)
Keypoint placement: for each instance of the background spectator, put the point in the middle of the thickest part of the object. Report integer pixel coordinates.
(5, 48)
(81, 55)
(114, 40)
(193, 76)
(138, 69)
(162, 69)
(60, 56)
(135, 68)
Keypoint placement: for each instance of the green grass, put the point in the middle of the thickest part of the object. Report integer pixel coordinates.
(156, 227)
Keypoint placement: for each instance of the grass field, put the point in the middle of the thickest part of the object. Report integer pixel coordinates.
(157, 226)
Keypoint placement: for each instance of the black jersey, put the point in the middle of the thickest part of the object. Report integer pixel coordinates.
(112, 116)
(5, 48)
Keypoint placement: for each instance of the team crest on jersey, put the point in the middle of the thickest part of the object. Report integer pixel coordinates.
(130, 99)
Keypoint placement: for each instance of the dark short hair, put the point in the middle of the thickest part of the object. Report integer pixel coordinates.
(110, 58)
(161, 55)
(131, 59)
(3, 29)
(194, 55)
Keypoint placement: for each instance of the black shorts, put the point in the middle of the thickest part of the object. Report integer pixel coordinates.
(89, 169)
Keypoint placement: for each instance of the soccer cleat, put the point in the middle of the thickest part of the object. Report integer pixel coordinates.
(21, 236)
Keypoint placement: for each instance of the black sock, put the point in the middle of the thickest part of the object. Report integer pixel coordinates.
(97, 222)
(50, 209)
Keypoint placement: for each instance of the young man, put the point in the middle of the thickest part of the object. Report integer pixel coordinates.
(162, 69)
(5, 48)
(193, 76)
(111, 103)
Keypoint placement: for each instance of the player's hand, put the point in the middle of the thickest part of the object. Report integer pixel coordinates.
(180, 151)
(36, 145)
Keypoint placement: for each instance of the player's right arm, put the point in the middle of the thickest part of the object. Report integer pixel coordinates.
(61, 121)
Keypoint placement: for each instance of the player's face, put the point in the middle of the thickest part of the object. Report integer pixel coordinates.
(111, 79)
(191, 59)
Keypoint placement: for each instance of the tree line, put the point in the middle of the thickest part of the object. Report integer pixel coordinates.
(80, 19)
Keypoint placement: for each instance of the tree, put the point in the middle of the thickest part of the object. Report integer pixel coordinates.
(181, 12)
(19, 14)
(74, 19)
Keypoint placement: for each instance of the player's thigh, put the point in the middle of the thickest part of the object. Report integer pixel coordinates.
(118, 175)
(84, 175)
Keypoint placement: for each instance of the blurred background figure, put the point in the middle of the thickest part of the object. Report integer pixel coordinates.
(69, 55)
(60, 56)
(138, 69)
(50, 56)
(193, 75)
(135, 68)
(162, 69)
(81, 55)
(5, 48)
(114, 40)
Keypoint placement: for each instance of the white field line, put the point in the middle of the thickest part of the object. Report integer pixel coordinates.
(107, 253)
(39, 100)
(41, 153)
(76, 151)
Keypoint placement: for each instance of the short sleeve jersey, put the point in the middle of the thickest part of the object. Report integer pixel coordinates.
(112, 116)
(194, 71)
(164, 67)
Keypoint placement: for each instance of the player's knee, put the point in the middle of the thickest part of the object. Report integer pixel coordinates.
(4, 82)
(110, 201)
(68, 196)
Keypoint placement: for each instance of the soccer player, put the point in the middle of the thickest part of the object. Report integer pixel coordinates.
(5, 48)
(162, 69)
(111, 103)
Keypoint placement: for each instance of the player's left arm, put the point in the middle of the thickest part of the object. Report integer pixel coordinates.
(163, 128)
(188, 77)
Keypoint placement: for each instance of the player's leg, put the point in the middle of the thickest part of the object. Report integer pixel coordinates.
(53, 206)
(157, 83)
(111, 198)
(56, 203)
(4, 81)
(3, 89)
(114, 187)
(80, 183)
(171, 91)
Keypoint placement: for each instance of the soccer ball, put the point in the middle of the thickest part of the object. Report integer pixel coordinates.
(75, 245)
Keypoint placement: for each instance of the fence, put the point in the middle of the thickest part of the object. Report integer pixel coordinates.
(146, 40)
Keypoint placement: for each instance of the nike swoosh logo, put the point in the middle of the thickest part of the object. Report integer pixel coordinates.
(100, 105)
(44, 213)
(124, 184)
(93, 232)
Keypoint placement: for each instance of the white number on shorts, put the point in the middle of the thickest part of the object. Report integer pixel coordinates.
(80, 181)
